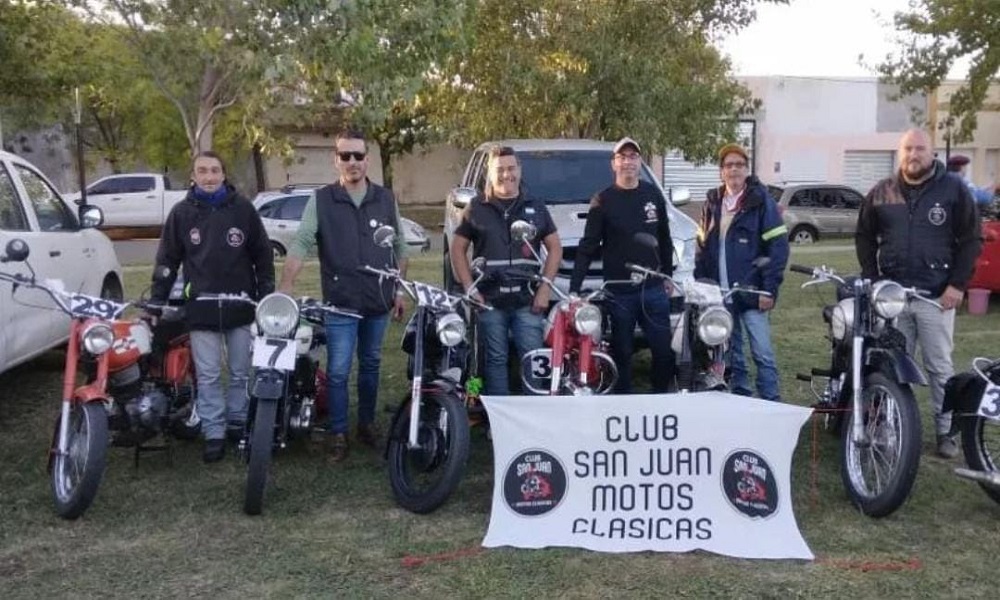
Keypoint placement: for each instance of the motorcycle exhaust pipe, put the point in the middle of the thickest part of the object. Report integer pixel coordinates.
(989, 478)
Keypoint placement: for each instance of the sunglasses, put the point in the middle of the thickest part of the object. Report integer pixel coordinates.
(346, 156)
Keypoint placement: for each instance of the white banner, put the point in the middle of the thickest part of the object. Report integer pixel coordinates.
(677, 472)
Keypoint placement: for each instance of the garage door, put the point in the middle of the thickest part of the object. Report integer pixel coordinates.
(679, 173)
(864, 168)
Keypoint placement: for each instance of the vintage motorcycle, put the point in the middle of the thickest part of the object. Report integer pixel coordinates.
(428, 443)
(138, 385)
(867, 391)
(973, 398)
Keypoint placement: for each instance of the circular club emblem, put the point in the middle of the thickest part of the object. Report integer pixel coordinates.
(195, 236)
(749, 484)
(235, 237)
(534, 483)
(937, 215)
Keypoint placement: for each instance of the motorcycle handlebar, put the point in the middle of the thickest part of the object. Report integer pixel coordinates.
(801, 269)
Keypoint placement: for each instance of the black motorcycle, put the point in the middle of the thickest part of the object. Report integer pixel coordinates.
(428, 443)
(866, 391)
(973, 398)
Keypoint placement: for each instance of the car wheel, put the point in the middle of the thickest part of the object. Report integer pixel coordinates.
(803, 234)
(278, 250)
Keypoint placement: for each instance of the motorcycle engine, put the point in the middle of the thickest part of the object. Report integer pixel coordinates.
(148, 410)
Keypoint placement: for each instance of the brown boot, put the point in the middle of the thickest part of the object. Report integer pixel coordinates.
(367, 434)
(337, 445)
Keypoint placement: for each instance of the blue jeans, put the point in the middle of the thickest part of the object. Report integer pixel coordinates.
(648, 306)
(216, 406)
(342, 335)
(758, 328)
(524, 326)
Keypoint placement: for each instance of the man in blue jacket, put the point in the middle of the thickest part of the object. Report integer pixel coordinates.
(740, 223)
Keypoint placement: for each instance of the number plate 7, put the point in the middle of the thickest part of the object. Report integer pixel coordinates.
(274, 353)
(989, 405)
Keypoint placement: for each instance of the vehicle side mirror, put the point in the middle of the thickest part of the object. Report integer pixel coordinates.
(384, 236)
(162, 273)
(523, 231)
(90, 216)
(761, 261)
(645, 250)
(16, 251)
(679, 196)
(646, 240)
(460, 197)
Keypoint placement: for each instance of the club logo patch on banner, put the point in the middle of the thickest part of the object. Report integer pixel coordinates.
(937, 215)
(195, 236)
(750, 484)
(534, 483)
(235, 237)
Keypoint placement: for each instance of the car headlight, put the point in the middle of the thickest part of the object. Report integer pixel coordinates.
(277, 315)
(889, 299)
(715, 325)
(450, 329)
(587, 319)
(842, 319)
(97, 338)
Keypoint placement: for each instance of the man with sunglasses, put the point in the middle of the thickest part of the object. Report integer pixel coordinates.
(340, 219)
(740, 223)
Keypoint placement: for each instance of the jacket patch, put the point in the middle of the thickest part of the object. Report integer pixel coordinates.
(235, 237)
(195, 236)
(937, 215)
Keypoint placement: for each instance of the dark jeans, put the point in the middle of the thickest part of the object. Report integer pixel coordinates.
(342, 335)
(648, 306)
(520, 324)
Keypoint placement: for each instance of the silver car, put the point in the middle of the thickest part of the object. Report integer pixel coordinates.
(281, 213)
(816, 210)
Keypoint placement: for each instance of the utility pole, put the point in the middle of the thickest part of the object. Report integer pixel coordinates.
(81, 170)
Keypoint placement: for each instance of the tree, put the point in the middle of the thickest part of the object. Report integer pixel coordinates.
(564, 68)
(934, 35)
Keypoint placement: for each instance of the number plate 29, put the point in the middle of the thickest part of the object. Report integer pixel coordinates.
(273, 353)
(989, 405)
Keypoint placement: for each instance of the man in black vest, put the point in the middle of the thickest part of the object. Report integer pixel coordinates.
(920, 228)
(340, 219)
(518, 313)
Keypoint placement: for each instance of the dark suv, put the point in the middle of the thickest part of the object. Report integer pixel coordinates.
(565, 173)
(814, 210)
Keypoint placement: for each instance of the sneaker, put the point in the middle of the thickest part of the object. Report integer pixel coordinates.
(947, 447)
(367, 434)
(338, 448)
(214, 451)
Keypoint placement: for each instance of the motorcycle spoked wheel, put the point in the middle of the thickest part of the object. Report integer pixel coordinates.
(878, 478)
(981, 447)
(261, 449)
(76, 476)
(423, 478)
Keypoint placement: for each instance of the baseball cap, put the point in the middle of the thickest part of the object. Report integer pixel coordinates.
(732, 149)
(958, 161)
(622, 143)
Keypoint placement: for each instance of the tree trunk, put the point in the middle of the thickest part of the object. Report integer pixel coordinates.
(258, 168)
(386, 155)
(207, 98)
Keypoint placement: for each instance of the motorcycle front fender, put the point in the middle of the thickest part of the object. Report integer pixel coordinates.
(268, 384)
(443, 385)
(904, 368)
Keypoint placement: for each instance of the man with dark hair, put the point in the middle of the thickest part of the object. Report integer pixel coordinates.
(616, 214)
(921, 229)
(740, 223)
(219, 238)
(518, 313)
(340, 219)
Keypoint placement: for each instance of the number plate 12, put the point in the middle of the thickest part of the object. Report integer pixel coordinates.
(989, 405)
(274, 353)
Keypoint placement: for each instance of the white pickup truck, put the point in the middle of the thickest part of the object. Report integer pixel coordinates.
(132, 199)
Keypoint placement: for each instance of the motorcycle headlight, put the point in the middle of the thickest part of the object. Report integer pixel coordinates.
(98, 338)
(587, 319)
(715, 325)
(450, 329)
(277, 315)
(842, 319)
(889, 299)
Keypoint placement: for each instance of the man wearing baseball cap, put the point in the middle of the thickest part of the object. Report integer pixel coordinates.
(739, 224)
(956, 165)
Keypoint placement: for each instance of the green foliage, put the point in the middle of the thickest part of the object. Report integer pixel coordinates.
(935, 34)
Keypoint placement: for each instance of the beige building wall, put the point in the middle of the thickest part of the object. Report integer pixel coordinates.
(984, 149)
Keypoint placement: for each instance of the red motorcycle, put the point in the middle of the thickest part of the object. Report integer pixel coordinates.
(576, 359)
(129, 395)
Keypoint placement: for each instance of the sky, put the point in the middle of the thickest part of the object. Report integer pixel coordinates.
(816, 38)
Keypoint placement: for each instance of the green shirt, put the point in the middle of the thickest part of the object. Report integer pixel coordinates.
(305, 238)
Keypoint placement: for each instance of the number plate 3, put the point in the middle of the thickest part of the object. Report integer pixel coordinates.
(989, 405)
(274, 353)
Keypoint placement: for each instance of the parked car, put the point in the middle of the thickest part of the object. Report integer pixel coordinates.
(566, 173)
(815, 210)
(60, 248)
(133, 199)
(987, 273)
(281, 213)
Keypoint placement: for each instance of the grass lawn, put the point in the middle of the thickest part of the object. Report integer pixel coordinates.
(177, 530)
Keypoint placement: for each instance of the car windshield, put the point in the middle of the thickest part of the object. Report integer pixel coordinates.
(568, 176)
